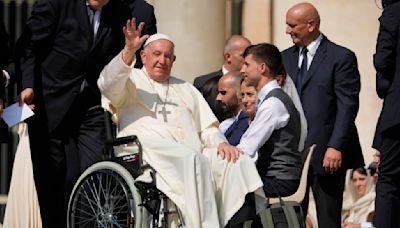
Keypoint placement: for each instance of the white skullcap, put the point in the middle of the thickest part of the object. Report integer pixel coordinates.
(157, 36)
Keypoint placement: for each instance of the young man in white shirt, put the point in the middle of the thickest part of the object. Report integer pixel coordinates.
(273, 137)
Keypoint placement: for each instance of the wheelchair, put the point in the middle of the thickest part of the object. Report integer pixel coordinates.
(108, 195)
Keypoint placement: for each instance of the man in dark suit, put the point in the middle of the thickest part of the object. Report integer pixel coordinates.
(233, 61)
(5, 57)
(229, 98)
(65, 46)
(387, 137)
(142, 12)
(328, 82)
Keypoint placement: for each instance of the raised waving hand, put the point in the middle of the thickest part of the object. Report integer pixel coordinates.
(133, 40)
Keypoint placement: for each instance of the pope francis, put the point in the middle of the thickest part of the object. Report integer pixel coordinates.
(195, 167)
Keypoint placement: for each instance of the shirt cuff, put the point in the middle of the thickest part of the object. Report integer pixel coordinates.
(367, 225)
(212, 137)
(7, 78)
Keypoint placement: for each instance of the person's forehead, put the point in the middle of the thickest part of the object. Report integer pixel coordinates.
(161, 43)
(223, 84)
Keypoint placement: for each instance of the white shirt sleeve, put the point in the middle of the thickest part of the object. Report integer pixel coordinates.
(7, 78)
(212, 137)
(224, 125)
(113, 80)
(271, 115)
(366, 225)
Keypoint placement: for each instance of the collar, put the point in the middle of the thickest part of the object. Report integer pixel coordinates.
(313, 46)
(224, 70)
(238, 114)
(265, 90)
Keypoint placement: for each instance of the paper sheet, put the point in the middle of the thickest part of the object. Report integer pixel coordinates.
(15, 113)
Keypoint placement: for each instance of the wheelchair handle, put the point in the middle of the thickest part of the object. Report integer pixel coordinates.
(121, 140)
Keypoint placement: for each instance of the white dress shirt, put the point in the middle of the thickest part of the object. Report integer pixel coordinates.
(224, 70)
(312, 49)
(271, 115)
(224, 125)
(96, 19)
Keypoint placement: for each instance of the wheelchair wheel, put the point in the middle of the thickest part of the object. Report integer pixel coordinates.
(105, 196)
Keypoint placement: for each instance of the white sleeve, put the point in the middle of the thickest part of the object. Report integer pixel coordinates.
(212, 137)
(271, 115)
(366, 225)
(7, 78)
(114, 81)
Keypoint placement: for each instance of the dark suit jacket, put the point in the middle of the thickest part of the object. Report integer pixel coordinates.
(5, 57)
(387, 62)
(201, 80)
(60, 52)
(234, 133)
(143, 12)
(330, 102)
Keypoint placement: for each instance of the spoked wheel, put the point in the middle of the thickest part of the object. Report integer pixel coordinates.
(105, 196)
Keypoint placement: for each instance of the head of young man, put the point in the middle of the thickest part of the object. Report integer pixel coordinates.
(302, 24)
(262, 64)
(233, 52)
(229, 93)
(158, 57)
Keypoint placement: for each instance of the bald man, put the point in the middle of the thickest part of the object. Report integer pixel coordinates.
(233, 61)
(229, 97)
(328, 83)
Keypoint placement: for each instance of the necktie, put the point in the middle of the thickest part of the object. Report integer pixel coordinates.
(302, 71)
(91, 13)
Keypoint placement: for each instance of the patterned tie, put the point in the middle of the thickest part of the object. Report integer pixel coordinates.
(302, 71)
(91, 13)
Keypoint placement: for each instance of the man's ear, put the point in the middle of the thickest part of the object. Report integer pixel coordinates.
(264, 69)
(311, 25)
(227, 57)
(143, 56)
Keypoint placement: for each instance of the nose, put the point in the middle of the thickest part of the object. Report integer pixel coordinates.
(288, 29)
(244, 100)
(242, 69)
(219, 97)
(162, 59)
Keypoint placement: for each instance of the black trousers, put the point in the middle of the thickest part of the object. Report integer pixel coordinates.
(276, 187)
(387, 202)
(272, 188)
(328, 194)
(245, 213)
(83, 126)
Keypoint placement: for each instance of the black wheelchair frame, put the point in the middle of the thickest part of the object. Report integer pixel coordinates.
(107, 195)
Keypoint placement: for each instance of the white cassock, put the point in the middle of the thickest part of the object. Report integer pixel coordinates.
(179, 143)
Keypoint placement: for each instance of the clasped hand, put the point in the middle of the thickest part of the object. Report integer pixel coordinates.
(231, 153)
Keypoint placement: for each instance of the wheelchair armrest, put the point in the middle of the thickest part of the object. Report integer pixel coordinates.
(120, 141)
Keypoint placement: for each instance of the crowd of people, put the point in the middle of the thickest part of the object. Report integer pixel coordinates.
(235, 135)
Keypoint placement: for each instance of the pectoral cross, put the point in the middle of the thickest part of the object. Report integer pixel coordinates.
(164, 113)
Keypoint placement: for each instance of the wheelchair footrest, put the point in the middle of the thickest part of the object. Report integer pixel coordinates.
(150, 196)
